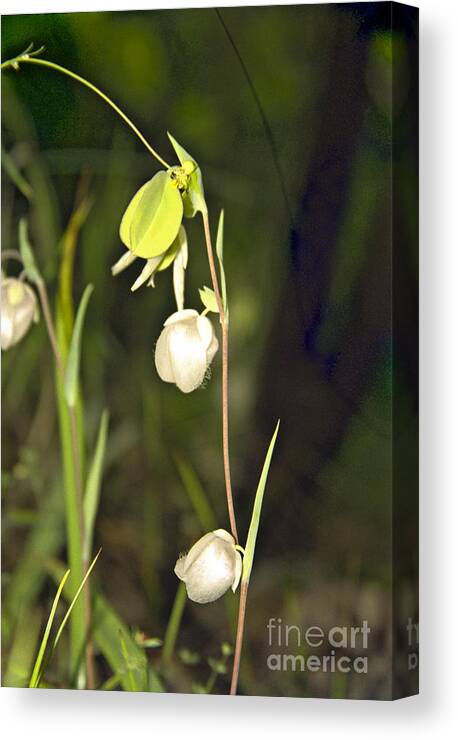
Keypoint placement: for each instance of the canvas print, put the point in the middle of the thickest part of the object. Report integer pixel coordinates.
(209, 301)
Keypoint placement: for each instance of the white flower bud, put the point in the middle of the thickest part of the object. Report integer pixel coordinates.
(185, 349)
(18, 308)
(211, 567)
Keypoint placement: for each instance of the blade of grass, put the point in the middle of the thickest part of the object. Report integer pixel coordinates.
(66, 615)
(256, 514)
(74, 354)
(93, 483)
(219, 252)
(173, 625)
(15, 175)
(36, 673)
(248, 560)
(75, 599)
(73, 533)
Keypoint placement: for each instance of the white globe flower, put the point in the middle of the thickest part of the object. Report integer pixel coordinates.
(18, 309)
(185, 349)
(211, 567)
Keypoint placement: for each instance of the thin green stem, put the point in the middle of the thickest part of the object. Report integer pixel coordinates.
(78, 483)
(27, 59)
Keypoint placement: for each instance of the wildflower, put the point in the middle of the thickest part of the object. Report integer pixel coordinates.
(18, 309)
(211, 567)
(185, 349)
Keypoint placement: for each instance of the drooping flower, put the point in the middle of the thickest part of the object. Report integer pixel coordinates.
(185, 349)
(211, 567)
(18, 310)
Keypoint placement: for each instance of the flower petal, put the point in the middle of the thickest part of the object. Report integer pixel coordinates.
(124, 261)
(148, 270)
(187, 356)
(162, 358)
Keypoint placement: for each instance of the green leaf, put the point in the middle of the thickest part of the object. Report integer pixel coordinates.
(37, 669)
(16, 176)
(153, 217)
(73, 602)
(254, 524)
(208, 298)
(26, 250)
(194, 198)
(173, 625)
(73, 362)
(219, 252)
(92, 490)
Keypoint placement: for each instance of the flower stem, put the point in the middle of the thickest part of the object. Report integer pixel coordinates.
(239, 637)
(27, 59)
(225, 377)
(44, 301)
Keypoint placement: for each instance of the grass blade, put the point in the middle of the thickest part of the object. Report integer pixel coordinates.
(174, 622)
(254, 524)
(74, 600)
(219, 252)
(30, 266)
(16, 176)
(73, 362)
(92, 492)
(37, 669)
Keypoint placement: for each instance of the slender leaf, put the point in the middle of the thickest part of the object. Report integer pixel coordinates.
(208, 298)
(72, 519)
(15, 175)
(74, 600)
(26, 250)
(194, 198)
(219, 252)
(74, 355)
(254, 524)
(37, 669)
(93, 485)
(174, 622)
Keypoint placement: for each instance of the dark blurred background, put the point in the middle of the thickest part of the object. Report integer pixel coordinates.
(293, 131)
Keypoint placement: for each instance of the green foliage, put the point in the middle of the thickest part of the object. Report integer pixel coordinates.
(257, 507)
(74, 355)
(219, 252)
(194, 199)
(93, 485)
(173, 625)
(30, 266)
(38, 667)
(208, 298)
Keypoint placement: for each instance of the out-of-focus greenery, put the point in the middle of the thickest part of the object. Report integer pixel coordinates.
(309, 292)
